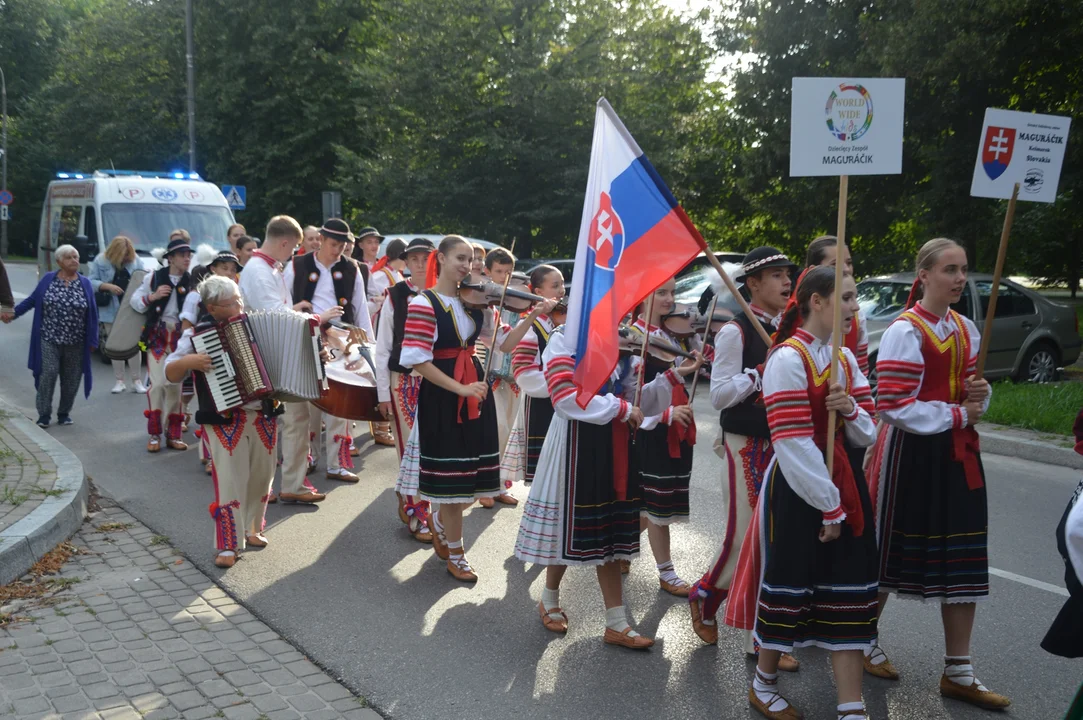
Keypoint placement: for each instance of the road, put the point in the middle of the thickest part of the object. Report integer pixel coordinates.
(352, 590)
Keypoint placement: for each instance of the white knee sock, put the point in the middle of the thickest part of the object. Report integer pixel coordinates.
(616, 619)
(852, 711)
(765, 685)
(550, 598)
(875, 655)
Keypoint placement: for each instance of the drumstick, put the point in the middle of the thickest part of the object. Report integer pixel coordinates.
(496, 329)
(710, 316)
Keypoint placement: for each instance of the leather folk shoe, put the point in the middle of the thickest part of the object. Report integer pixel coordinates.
(154, 444)
(788, 663)
(554, 620)
(883, 669)
(486, 502)
(256, 541)
(459, 568)
(706, 633)
(225, 559)
(439, 543)
(625, 640)
(307, 498)
(385, 439)
(974, 694)
(342, 474)
(506, 499)
(679, 588)
(402, 509)
(176, 444)
(787, 713)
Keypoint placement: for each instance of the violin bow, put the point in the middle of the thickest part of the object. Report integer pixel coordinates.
(710, 317)
(496, 329)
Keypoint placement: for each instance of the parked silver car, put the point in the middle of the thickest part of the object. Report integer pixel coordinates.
(1032, 336)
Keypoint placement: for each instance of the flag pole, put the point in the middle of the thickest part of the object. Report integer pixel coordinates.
(643, 356)
(737, 294)
(836, 326)
(987, 330)
(710, 316)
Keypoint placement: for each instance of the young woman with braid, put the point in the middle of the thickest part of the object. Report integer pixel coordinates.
(816, 528)
(823, 251)
(527, 342)
(931, 496)
(661, 457)
(583, 507)
(458, 459)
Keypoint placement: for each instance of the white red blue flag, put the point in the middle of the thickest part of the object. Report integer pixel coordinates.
(632, 239)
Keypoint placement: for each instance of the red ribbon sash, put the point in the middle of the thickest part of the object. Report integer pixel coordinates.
(965, 447)
(843, 478)
(465, 373)
(678, 434)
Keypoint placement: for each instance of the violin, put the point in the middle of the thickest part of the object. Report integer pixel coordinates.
(631, 343)
(681, 322)
(712, 325)
(478, 293)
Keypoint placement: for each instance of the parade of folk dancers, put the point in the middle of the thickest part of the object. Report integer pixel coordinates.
(840, 500)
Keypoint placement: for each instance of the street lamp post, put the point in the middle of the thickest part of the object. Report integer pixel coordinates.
(191, 60)
(4, 160)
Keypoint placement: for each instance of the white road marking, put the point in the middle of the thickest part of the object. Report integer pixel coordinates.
(1048, 587)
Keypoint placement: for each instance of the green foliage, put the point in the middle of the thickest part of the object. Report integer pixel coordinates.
(476, 116)
(1049, 407)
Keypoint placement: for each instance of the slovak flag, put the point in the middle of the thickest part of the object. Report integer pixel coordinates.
(632, 239)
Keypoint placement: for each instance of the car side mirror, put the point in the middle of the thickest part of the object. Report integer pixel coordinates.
(86, 251)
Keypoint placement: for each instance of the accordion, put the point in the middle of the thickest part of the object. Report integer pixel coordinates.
(263, 355)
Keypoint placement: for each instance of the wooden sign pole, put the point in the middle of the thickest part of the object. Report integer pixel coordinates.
(987, 330)
(836, 327)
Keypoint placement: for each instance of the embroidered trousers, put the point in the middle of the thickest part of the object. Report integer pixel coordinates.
(163, 398)
(244, 467)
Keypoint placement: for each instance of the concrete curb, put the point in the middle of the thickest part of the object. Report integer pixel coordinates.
(54, 520)
(1027, 445)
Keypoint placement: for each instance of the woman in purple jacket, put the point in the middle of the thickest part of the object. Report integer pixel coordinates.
(64, 333)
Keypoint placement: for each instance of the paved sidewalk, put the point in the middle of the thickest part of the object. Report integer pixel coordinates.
(130, 629)
(27, 474)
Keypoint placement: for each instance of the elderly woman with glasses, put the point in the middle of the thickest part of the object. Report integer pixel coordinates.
(64, 333)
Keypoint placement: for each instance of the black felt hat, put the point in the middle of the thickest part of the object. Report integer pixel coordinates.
(368, 231)
(176, 245)
(762, 258)
(226, 256)
(337, 229)
(395, 249)
(419, 245)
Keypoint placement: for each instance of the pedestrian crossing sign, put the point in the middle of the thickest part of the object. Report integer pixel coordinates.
(235, 196)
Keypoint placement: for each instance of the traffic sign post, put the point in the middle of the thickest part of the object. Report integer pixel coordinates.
(236, 196)
(6, 198)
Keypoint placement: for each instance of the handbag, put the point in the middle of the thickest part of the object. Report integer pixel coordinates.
(121, 278)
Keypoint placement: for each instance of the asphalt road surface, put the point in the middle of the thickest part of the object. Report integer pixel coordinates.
(347, 585)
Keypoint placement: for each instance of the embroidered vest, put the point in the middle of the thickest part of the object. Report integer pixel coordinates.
(306, 274)
(448, 333)
(749, 417)
(946, 361)
(156, 308)
(400, 295)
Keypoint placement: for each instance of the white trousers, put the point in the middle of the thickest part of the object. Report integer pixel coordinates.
(163, 397)
(244, 467)
(300, 436)
(507, 407)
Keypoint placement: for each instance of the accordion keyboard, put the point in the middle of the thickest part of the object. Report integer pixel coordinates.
(225, 391)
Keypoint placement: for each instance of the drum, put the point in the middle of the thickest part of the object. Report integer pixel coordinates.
(351, 380)
(123, 340)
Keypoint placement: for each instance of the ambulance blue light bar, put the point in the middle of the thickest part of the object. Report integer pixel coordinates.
(172, 174)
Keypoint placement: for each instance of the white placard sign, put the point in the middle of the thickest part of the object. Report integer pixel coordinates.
(1020, 147)
(835, 131)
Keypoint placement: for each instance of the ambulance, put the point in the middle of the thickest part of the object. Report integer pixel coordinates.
(88, 210)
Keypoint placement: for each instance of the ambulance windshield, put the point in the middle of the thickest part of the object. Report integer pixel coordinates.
(148, 225)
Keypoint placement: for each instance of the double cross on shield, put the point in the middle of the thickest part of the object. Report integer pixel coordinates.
(996, 150)
(606, 235)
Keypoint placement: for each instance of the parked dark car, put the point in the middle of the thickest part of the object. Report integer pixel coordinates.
(564, 265)
(1032, 336)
